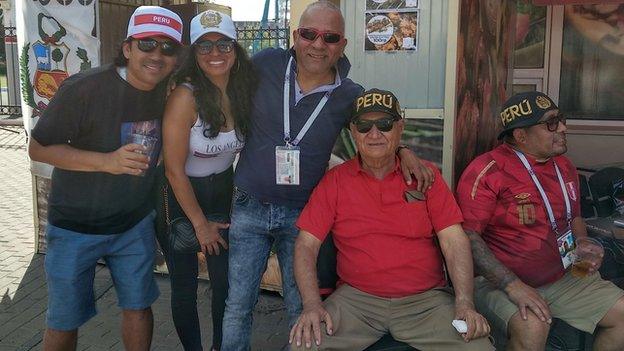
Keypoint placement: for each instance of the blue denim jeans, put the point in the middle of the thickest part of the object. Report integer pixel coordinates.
(70, 269)
(255, 226)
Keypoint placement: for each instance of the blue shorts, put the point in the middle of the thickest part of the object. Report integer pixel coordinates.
(70, 268)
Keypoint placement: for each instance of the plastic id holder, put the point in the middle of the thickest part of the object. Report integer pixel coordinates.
(287, 165)
(566, 245)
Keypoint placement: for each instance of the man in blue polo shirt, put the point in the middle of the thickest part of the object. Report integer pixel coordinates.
(303, 101)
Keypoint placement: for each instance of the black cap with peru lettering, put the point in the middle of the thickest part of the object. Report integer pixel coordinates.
(524, 110)
(376, 100)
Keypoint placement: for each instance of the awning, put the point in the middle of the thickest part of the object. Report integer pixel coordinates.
(575, 2)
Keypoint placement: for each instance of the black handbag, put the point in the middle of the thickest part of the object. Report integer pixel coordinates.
(180, 230)
(182, 238)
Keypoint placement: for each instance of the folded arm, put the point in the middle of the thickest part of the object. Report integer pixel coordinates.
(125, 160)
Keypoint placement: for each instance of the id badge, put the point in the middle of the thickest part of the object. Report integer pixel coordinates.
(287, 165)
(566, 246)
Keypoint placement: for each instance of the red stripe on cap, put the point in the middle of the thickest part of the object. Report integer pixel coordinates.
(158, 19)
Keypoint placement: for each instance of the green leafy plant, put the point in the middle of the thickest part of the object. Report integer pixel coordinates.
(83, 55)
(26, 85)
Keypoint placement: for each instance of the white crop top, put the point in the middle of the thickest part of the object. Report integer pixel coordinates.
(210, 155)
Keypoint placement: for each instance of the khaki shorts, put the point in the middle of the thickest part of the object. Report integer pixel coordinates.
(580, 302)
(423, 321)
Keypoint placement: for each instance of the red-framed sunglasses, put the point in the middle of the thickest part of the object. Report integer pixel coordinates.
(310, 34)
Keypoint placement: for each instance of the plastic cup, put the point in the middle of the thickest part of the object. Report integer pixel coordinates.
(588, 250)
(149, 142)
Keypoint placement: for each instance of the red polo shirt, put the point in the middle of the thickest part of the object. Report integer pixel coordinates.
(385, 245)
(500, 201)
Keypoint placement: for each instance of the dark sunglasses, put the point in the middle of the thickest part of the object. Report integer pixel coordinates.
(224, 46)
(167, 48)
(383, 125)
(553, 123)
(311, 34)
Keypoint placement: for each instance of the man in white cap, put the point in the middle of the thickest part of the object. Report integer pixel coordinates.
(101, 132)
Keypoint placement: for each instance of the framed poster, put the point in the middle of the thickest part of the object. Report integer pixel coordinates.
(391, 31)
(376, 5)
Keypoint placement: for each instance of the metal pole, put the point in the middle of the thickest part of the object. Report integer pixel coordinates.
(12, 61)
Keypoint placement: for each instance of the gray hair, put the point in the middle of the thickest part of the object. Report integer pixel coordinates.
(324, 4)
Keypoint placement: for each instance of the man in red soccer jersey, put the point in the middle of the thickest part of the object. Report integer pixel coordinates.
(388, 261)
(520, 203)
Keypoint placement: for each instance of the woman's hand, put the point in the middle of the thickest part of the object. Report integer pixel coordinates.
(209, 237)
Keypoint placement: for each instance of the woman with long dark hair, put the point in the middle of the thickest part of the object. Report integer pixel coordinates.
(204, 127)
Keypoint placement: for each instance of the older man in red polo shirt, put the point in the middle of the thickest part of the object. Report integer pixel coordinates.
(521, 207)
(389, 264)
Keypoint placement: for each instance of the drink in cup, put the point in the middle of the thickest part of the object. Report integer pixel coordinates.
(148, 142)
(588, 250)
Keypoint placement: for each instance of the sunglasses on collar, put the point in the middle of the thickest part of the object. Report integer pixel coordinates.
(167, 48)
(310, 34)
(205, 47)
(383, 124)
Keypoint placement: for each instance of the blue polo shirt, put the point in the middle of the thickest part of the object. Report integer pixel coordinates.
(255, 171)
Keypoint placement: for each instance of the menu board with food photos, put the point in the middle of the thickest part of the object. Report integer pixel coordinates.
(391, 25)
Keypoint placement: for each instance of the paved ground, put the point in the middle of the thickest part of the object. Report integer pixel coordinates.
(23, 289)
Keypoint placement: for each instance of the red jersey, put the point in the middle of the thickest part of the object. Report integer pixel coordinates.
(500, 201)
(385, 245)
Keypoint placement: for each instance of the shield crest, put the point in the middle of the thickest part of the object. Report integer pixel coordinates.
(51, 67)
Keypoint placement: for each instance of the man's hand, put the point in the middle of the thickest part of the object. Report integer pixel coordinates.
(309, 323)
(596, 262)
(128, 159)
(412, 165)
(478, 326)
(594, 254)
(209, 237)
(525, 297)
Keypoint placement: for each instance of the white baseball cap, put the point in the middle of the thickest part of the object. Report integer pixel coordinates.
(150, 21)
(211, 21)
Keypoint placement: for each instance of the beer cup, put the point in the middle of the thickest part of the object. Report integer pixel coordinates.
(588, 250)
(149, 142)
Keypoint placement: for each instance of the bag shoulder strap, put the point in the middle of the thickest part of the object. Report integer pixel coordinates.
(166, 195)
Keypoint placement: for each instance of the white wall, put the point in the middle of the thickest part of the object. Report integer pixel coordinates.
(417, 78)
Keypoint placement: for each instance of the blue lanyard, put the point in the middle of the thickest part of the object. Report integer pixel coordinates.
(551, 215)
(310, 120)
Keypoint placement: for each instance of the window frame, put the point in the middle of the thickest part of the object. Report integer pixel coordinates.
(550, 76)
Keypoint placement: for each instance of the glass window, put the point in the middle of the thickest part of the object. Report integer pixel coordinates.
(523, 88)
(592, 62)
(424, 137)
(530, 35)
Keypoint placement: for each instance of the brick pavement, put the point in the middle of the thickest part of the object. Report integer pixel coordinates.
(23, 295)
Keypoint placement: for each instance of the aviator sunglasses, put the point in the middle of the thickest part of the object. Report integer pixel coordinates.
(553, 123)
(167, 48)
(224, 46)
(383, 124)
(310, 34)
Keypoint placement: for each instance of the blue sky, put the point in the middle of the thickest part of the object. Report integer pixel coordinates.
(247, 10)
